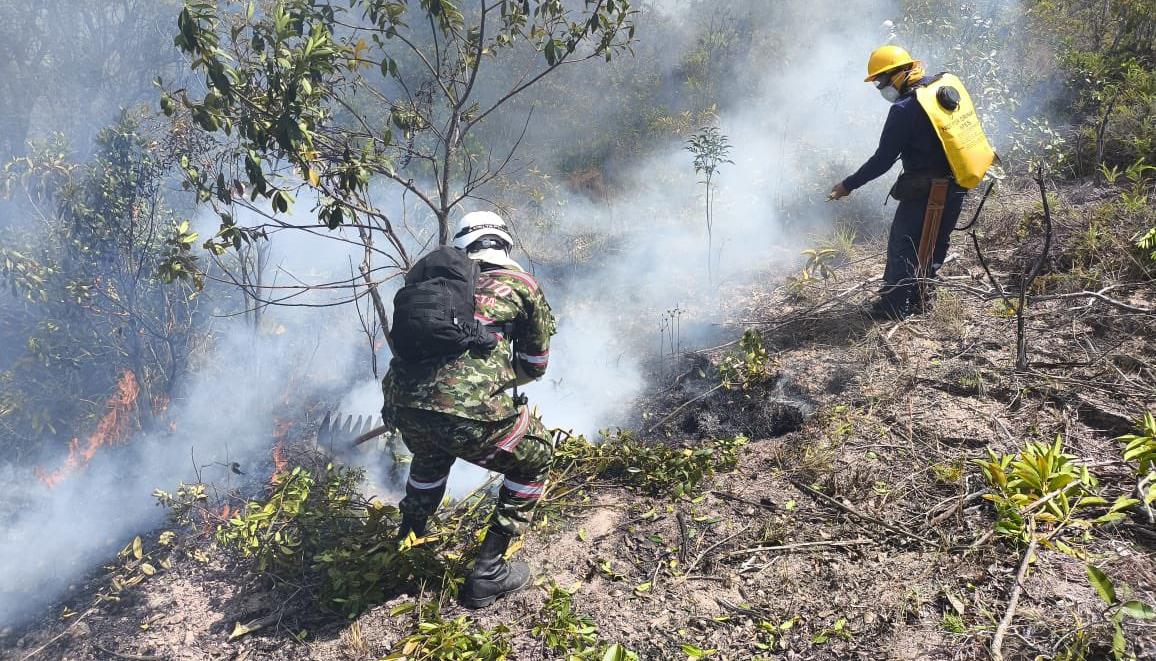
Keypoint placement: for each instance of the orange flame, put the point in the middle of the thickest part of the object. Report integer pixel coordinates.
(280, 434)
(113, 428)
(210, 519)
(280, 463)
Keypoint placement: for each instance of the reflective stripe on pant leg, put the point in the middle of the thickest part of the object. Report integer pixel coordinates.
(525, 481)
(429, 469)
(426, 485)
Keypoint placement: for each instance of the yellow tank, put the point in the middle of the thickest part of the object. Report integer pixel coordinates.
(956, 123)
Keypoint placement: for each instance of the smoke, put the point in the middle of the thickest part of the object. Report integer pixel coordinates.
(225, 415)
(799, 119)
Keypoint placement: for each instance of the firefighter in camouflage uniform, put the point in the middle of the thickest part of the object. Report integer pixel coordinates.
(460, 408)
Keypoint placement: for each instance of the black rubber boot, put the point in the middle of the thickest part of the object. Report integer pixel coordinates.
(492, 576)
(889, 308)
(412, 524)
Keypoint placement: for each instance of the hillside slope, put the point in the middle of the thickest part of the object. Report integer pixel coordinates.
(852, 524)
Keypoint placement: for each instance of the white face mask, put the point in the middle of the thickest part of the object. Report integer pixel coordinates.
(890, 94)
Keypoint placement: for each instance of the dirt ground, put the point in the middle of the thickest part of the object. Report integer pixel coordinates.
(880, 418)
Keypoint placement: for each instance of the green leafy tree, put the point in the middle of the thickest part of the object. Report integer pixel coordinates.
(710, 149)
(88, 295)
(1107, 54)
(319, 99)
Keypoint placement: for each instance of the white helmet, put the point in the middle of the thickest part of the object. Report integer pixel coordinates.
(479, 224)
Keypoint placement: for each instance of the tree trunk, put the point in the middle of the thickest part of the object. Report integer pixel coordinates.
(443, 227)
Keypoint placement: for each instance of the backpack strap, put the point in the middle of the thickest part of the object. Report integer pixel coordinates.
(507, 330)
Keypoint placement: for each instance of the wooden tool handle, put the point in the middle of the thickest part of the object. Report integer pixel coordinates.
(371, 434)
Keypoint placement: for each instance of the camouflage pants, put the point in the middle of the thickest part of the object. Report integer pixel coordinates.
(519, 448)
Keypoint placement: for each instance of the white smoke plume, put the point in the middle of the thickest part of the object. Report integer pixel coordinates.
(798, 116)
(224, 416)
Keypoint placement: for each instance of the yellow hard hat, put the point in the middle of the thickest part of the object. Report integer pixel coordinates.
(884, 59)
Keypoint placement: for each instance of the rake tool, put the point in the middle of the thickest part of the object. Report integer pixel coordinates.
(337, 429)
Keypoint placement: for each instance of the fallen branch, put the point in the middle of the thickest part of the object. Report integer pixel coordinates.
(800, 545)
(712, 547)
(1048, 497)
(129, 657)
(684, 536)
(981, 540)
(765, 504)
(1013, 601)
(791, 318)
(891, 353)
(822, 497)
(1099, 296)
(58, 636)
(986, 269)
(961, 501)
(742, 610)
(240, 630)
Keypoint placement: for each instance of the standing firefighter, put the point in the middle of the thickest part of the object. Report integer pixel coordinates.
(934, 128)
(446, 388)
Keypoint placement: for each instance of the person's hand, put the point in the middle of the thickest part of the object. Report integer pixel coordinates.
(838, 192)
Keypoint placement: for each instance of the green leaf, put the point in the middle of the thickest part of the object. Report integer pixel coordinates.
(615, 652)
(1138, 610)
(402, 609)
(694, 653)
(1119, 643)
(1102, 583)
(1123, 503)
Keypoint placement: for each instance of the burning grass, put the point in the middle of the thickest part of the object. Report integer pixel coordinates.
(115, 427)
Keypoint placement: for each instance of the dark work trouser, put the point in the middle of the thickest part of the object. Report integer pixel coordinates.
(519, 448)
(899, 277)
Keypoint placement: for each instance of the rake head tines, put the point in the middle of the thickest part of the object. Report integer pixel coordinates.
(338, 431)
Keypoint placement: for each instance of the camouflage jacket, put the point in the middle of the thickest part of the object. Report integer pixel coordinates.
(473, 386)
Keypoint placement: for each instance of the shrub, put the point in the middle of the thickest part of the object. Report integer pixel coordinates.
(323, 535)
(655, 470)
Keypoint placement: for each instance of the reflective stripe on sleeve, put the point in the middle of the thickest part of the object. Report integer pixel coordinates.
(535, 359)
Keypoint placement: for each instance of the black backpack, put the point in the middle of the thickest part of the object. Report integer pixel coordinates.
(433, 314)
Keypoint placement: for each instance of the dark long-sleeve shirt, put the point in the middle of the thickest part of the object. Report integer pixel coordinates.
(907, 134)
